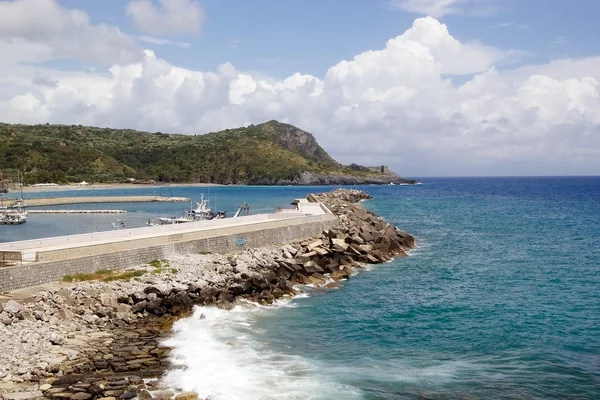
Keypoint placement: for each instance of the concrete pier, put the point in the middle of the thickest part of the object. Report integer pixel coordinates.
(58, 201)
(76, 211)
(33, 262)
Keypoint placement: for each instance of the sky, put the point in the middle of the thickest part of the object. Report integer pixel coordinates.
(427, 87)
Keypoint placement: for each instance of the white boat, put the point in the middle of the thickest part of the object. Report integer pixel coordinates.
(174, 220)
(19, 203)
(13, 218)
(201, 213)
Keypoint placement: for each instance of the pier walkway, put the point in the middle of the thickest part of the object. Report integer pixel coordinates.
(32, 262)
(59, 201)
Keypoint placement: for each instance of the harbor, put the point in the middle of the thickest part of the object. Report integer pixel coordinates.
(33, 262)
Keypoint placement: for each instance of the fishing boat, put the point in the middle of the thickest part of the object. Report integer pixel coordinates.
(201, 213)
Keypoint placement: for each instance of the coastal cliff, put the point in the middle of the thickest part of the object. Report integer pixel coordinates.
(99, 336)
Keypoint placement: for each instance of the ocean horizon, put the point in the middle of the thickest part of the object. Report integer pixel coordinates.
(500, 300)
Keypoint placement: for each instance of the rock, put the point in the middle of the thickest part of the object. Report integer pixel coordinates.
(45, 387)
(138, 307)
(5, 318)
(12, 307)
(162, 394)
(108, 300)
(339, 244)
(138, 296)
(65, 314)
(22, 395)
(187, 396)
(128, 395)
(56, 339)
(123, 308)
(80, 396)
(144, 395)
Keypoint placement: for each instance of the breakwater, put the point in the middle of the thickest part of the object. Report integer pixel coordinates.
(59, 201)
(117, 319)
(76, 211)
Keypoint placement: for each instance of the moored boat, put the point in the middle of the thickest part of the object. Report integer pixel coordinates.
(17, 218)
(201, 213)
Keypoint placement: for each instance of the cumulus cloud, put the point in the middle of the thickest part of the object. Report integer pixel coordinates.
(171, 17)
(38, 30)
(392, 106)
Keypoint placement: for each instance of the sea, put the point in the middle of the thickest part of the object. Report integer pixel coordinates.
(500, 300)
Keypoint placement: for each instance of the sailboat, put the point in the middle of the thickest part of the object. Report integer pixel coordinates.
(14, 214)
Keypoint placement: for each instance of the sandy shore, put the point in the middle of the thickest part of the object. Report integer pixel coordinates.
(35, 189)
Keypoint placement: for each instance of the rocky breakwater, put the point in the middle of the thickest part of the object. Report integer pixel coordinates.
(98, 336)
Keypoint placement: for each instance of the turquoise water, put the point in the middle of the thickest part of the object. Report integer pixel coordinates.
(500, 301)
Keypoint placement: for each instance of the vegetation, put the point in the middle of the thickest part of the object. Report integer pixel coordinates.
(105, 275)
(162, 266)
(268, 153)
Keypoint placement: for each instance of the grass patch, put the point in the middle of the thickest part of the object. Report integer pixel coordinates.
(204, 253)
(104, 272)
(162, 266)
(105, 276)
(156, 263)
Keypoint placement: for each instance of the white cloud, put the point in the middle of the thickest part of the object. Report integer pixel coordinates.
(390, 106)
(439, 8)
(509, 25)
(38, 30)
(172, 17)
(161, 42)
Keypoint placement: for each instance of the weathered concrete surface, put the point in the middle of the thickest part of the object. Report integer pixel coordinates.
(57, 201)
(46, 260)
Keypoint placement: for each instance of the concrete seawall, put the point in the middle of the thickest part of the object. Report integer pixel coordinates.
(46, 260)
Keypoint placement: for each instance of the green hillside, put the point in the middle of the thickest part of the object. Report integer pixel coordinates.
(269, 153)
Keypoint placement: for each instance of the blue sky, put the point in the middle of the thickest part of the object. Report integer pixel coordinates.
(284, 37)
(428, 87)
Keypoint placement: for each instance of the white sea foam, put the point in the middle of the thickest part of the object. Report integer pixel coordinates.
(220, 353)
(421, 246)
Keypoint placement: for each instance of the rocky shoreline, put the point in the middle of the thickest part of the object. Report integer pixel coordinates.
(100, 338)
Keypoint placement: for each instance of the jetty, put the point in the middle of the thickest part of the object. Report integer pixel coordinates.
(58, 201)
(106, 335)
(76, 211)
(33, 262)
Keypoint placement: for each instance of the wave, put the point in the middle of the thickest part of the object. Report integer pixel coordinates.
(220, 354)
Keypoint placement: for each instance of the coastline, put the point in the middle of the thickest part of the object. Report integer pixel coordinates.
(99, 333)
(36, 189)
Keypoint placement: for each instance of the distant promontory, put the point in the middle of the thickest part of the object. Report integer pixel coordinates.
(272, 153)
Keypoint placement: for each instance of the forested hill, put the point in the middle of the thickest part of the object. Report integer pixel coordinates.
(269, 153)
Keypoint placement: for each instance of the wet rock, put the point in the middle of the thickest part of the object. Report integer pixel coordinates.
(187, 396)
